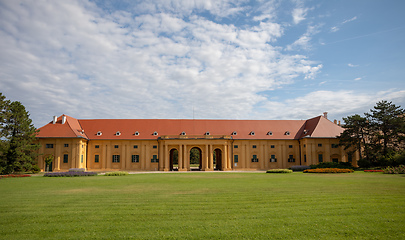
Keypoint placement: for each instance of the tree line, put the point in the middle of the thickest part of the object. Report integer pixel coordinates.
(378, 136)
(18, 146)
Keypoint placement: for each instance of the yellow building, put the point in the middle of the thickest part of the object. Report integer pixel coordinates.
(150, 144)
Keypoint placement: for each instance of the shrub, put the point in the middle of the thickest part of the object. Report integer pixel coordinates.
(69, 174)
(329, 170)
(345, 165)
(77, 170)
(117, 173)
(299, 168)
(374, 170)
(279, 171)
(35, 169)
(395, 170)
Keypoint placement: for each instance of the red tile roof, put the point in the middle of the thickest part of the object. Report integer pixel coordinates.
(245, 129)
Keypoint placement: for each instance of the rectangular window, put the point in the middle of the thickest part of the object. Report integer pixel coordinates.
(289, 146)
(154, 159)
(135, 158)
(154, 146)
(291, 158)
(319, 144)
(255, 159)
(335, 145)
(116, 146)
(97, 146)
(305, 158)
(235, 146)
(272, 146)
(65, 158)
(273, 158)
(235, 158)
(81, 158)
(254, 146)
(349, 157)
(48, 145)
(305, 145)
(66, 145)
(96, 158)
(116, 158)
(320, 158)
(135, 146)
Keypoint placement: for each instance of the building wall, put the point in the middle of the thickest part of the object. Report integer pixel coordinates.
(154, 155)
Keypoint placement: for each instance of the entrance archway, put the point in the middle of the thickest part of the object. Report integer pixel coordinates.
(217, 159)
(195, 159)
(174, 159)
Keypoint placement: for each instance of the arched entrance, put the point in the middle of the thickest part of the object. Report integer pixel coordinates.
(217, 159)
(174, 159)
(195, 159)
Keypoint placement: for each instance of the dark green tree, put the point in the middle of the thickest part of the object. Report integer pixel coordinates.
(19, 147)
(387, 128)
(355, 136)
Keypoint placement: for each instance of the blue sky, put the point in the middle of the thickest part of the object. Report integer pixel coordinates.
(208, 59)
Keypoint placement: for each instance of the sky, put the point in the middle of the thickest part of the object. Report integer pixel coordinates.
(202, 59)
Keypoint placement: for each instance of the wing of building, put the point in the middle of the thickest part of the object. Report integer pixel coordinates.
(166, 144)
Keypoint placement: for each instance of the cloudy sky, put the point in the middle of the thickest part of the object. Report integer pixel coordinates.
(207, 59)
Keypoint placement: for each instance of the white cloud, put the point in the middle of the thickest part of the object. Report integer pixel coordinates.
(89, 64)
(357, 79)
(299, 14)
(304, 42)
(337, 28)
(352, 65)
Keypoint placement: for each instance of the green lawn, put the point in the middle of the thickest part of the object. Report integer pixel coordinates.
(199, 205)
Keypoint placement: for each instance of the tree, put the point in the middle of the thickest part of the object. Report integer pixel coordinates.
(387, 123)
(19, 147)
(355, 135)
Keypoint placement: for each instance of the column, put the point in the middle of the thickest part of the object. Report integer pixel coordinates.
(248, 157)
(205, 159)
(161, 158)
(108, 158)
(225, 158)
(229, 159)
(180, 152)
(210, 158)
(57, 156)
(143, 156)
(266, 157)
(166, 159)
(185, 164)
(314, 159)
(262, 159)
(147, 156)
(124, 156)
(283, 156)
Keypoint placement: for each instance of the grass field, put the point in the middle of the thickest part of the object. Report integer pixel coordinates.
(199, 205)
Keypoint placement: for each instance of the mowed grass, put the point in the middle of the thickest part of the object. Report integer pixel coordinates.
(202, 205)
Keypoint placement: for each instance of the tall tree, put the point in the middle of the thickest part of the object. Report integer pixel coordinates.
(355, 135)
(18, 136)
(387, 123)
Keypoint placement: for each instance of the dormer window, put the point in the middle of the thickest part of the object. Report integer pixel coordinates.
(234, 133)
(136, 133)
(118, 133)
(182, 133)
(305, 131)
(270, 133)
(287, 133)
(207, 133)
(99, 133)
(155, 133)
(252, 133)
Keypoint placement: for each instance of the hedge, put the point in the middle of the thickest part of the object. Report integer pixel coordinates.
(328, 170)
(279, 171)
(117, 173)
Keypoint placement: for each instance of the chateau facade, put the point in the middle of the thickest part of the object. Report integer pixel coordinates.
(150, 144)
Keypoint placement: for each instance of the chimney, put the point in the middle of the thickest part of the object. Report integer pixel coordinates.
(55, 119)
(325, 115)
(335, 121)
(63, 119)
(339, 122)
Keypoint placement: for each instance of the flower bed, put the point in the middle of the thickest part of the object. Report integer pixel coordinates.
(373, 170)
(15, 175)
(279, 171)
(328, 170)
(70, 174)
(395, 170)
